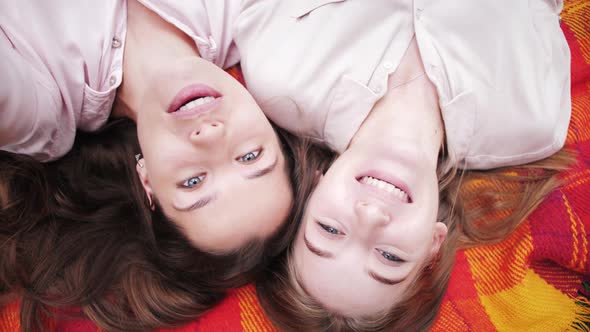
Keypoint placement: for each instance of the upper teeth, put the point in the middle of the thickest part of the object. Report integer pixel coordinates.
(390, 188)
(195, 102)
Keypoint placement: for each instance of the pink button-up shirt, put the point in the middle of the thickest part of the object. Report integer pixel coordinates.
(501, 68)
(62, 63)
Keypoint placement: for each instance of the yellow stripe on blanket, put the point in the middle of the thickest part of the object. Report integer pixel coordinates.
(499, 267)
(532, 305)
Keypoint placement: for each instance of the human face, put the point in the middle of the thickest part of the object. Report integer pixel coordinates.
(216, 168)
(362, 241)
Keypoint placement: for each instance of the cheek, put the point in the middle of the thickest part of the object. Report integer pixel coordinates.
(159, 146)
(338, 206)
(277, 213)
(262, 212)
(152, 138)
(330, 195)
(252, 119)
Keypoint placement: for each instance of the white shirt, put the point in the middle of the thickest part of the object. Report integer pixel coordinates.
(501, 69)
(62, 62)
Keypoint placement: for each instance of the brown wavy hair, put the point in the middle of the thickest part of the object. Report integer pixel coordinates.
(465, 208)
(79, 233)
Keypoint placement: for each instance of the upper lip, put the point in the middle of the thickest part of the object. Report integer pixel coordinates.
(191, 92)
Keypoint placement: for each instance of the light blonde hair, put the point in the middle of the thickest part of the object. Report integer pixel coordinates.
(468, 199)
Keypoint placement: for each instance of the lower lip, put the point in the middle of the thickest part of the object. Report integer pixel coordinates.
(191, 92)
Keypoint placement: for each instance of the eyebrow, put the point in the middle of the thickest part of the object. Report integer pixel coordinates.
(329, 255)
(315, 250)
(198, 204)
(264, 171)
(384, 280)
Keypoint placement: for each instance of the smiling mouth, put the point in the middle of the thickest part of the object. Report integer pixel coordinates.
(387, 187)
(194, 103)
(194, 99)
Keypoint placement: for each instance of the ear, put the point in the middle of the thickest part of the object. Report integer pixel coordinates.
(440, 233)
(142, 173)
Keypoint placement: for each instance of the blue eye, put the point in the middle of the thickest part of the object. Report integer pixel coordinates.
(390, 257)
(250, 156)
(329, 229)
(192, 182)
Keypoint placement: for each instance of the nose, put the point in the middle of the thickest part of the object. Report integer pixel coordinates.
(207, 132)
(371, 213)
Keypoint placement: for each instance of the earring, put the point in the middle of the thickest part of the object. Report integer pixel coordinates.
(137, 159)
(151, 202)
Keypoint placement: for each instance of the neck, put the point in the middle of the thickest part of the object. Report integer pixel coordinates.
(150, 42)
(409, 112)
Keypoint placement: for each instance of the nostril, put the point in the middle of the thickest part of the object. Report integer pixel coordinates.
(214, 124)
(197, 133)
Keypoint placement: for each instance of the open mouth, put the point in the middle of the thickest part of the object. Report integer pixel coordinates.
(387, 187)
(194, 103)
(194, 99)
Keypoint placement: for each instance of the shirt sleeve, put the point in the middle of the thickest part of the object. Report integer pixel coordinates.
(28, 111)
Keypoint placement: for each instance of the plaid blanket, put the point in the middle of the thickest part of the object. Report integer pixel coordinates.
(532, 281)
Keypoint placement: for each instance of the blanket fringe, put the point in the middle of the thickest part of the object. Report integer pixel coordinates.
(582, 320)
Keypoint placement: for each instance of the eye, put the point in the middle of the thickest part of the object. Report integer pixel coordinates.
(389, 256)
(192, 182)
(250, 156)
(330, 229)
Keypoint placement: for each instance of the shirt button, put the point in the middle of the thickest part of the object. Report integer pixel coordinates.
(378, 89)
(116, 43)
(387, 65)
(112, 80)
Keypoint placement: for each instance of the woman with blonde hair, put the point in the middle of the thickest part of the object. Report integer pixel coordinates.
(408, 92)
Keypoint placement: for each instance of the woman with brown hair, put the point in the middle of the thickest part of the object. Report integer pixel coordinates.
(77, 233)
(136, 244)
(205, 143)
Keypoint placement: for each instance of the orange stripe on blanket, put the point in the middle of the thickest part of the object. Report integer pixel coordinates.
(579, 131)
(449, 320)
(580, 252)
(575, 14)
(577, 180)
(221, 318)
(251, 314)
(501, 266)
(9, 317)
(461, 309)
